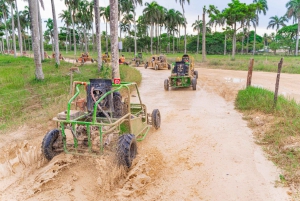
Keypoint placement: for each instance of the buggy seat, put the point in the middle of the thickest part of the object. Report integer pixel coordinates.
(180, 69)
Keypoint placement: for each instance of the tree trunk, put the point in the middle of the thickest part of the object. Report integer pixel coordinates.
(134, 24)
(106, 39)
(243, 38)
(203, 36)
(98, 36)
(173, 42)
(198, 37)
(19, 30)
(13, 31)
(120, 38)
(24, 43)
(156, 33)
(254, 41)
(185, 39)
(85, 39)
(33, 9)
(66, 43)
(114, 38)
(297, 37)
(55, 34)
(40, 31)
(225, 45)
(6, 33)
(70, 39)
(151, 35)
(93, 34)
(179, 39)
(233, 42)
(74, 36)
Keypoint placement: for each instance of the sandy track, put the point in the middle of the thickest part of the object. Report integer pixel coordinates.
(203, 151)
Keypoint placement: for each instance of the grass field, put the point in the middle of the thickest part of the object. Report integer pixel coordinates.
(277, 129)
(23, 98)
(267, 63)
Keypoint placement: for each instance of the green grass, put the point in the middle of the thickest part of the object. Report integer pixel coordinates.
(23, 98)
(286, 126)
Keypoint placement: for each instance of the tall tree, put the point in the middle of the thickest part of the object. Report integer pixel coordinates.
(41, 5)
(104, 13)
(261, 7)
(73, 6)
(5, 12)
(55, 34)
(114, 38)
(98, 36)
(203, 35)
(11, 2)
(33, 9)
(135, 3)
(293, 10)
(236, 12)
(151, 12)
(66, 17)
(19, 29)
(276, 22)
(182, 2)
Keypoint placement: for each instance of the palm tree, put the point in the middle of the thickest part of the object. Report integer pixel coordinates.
(293, 9)
(135, 3)
(33, 9)
(151, 12)
(5, 12)
(11, 2)
(55, 34)
(19, 29)
(98, 36)
(104, 12)
(203, 35)
(276, 21)
(73, 6)
(197, 26)
(262, 7)
(66, 17)
(182, 2)
(40, 27)
(114, 38)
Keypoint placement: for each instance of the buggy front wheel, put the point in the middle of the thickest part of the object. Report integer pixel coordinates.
(137, 64)
(48, 148)
(155, 117)
(166, 84)
(194, 83)
(126, 150)
(146, 65)
(196, 74)
(156, 67)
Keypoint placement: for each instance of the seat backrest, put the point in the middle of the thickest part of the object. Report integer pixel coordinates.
(180, 68)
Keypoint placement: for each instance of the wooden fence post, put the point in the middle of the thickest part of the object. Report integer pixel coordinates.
(250, 70)
(277, 82)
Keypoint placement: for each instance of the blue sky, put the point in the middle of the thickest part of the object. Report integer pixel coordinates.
(276, 7)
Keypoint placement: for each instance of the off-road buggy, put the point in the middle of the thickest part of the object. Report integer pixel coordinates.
(183, 74)
(138, 59)
(105, 121)
(84, 58)
(60, 56)
(158, 62)
(106, 58)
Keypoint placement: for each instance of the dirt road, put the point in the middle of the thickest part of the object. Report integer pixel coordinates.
(203, 151)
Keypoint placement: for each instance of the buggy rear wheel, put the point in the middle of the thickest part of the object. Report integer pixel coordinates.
(166, 84)
(194, 83)
(196, 74)
(92, 60)
(126, 150)
(156, 118)
(76, 60)
(137, 64)
(146, 65)
(49, 140)
(169, 66)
